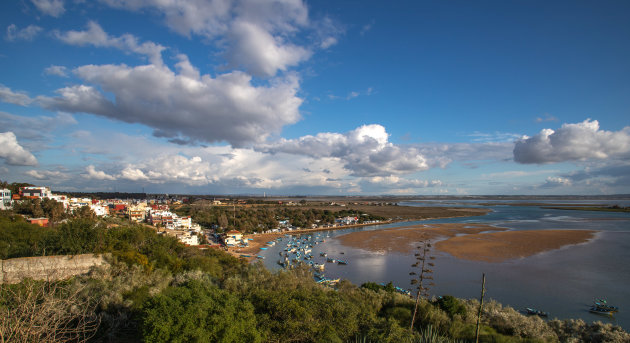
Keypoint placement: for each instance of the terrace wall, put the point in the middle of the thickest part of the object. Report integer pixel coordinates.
(49, 268)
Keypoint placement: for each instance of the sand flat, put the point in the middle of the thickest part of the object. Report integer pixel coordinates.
(401, 239)
(478, 242)
(506, 245)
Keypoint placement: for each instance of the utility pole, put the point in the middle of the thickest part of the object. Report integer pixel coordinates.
(483, 292)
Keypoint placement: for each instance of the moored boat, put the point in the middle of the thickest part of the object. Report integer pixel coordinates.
(598, 310)
(602, 304)
(533, 311)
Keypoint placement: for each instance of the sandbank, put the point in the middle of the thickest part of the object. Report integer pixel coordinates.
(507, 245)
(477, 242)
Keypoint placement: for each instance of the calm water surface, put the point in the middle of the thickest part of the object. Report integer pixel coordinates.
(562, 282)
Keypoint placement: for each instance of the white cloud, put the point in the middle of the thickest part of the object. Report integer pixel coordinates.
(28, 33)
(35, 128)
(92, 173)
(364, 151)
(56, 70)
(545, 118)
(554, 181)
(573, 142)
(133, 174)
(261, 53)
(442, 154)
(13, 153)
(11, 97)
(96, 36)
(53, 8)
(484, 137)
(203, 17)
(184, 106)
(366, 28)
(395, 182)
(257, 35)
(46, 174)
(328, 42)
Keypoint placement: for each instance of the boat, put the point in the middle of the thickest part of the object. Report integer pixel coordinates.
(598, 310)
(342, 262)
(533, 311)
(602, 304)
(263, 248)
(323, 254)
(331, 260)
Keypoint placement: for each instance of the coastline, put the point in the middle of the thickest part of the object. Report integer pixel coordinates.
(259, 240)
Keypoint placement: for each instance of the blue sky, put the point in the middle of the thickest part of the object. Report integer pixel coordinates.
(316, 97)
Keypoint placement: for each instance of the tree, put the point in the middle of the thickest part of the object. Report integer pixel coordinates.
(85, 212)
(198, 312)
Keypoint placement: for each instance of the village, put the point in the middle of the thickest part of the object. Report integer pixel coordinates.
(157, 213)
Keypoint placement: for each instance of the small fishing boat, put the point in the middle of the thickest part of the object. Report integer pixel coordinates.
(331, 260)
(598, 310)
(534, 312)
(323, 254)
(342, 262)
(602, 304)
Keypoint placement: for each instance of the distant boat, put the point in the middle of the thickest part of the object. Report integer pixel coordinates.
(602, 304)
(533, 311)
(342, 262)
(322, 254)
(598, 310)
(331, 260)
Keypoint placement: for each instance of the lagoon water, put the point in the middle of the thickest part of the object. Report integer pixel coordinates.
(563, 282)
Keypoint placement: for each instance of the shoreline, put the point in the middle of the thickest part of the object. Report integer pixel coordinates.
(259, 240)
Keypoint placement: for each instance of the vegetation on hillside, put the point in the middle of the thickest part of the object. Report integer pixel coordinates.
(158, 290)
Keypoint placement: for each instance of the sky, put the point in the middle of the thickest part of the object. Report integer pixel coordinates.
(327, 97)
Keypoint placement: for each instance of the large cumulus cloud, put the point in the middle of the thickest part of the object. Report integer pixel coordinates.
(573, 142)
(13, 153)
(365, 151)
(184, 105)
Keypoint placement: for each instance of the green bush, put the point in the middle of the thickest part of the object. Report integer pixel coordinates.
(198, 312)
(451, 305)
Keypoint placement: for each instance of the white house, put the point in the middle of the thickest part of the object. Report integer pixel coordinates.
(5, 199)
(233, 237)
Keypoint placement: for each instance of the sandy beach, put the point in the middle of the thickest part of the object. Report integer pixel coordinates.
(477, 242)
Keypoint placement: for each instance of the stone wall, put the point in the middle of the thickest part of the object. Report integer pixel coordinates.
(48, 267)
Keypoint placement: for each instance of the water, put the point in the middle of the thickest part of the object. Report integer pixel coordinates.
(563, 282)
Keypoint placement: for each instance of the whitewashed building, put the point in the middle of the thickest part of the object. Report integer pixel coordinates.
(5, 199)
